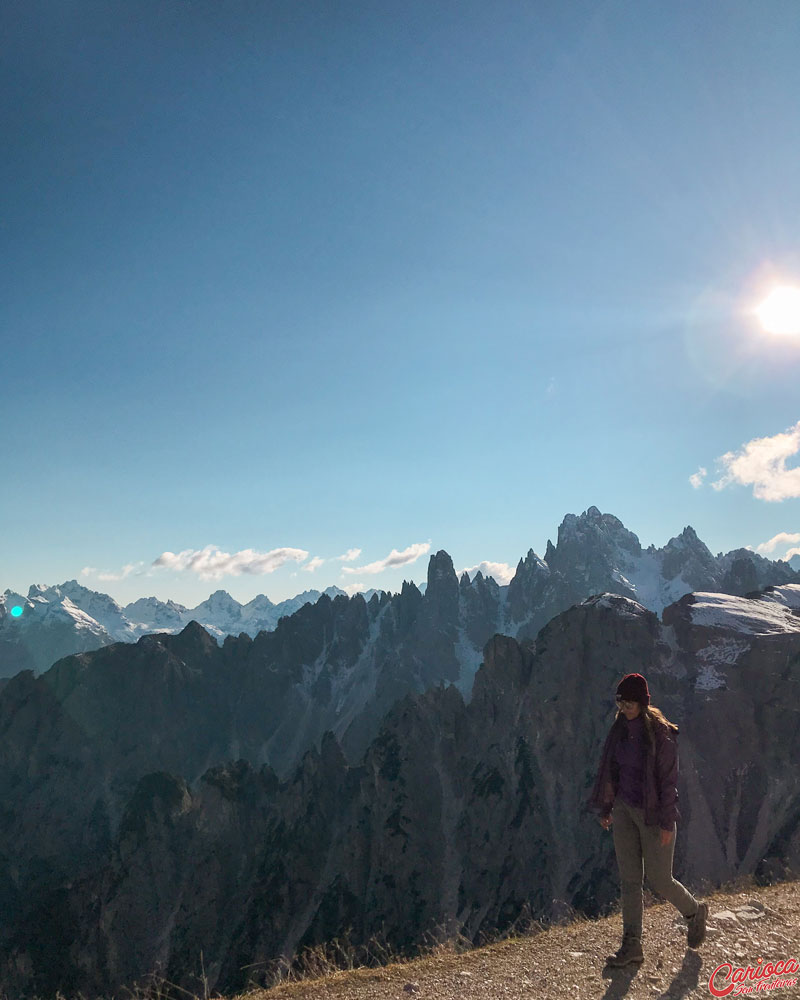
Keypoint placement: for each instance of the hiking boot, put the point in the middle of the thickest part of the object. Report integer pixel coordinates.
(696, 933)
(630, 952)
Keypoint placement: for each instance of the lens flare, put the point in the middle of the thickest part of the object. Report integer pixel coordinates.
(16, 611)
(780, 311)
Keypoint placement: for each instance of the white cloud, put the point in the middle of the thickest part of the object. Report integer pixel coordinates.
(88, 570)
(761, 463)
(354, 588)
(393, 560)
(791, 553)
(696, 479)
(350, 555)
(124, 572)
(782, 538)
(502, 572)
(315, 563)
(212, 564)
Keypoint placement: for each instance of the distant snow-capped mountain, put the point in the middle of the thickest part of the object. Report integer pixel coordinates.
(161, 614)
(70, 618)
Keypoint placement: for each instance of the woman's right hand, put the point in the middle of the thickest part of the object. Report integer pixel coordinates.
(605, 822)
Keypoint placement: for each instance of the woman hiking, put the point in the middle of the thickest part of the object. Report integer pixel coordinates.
(636, 790)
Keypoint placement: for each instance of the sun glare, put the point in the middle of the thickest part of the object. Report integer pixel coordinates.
(780, 311)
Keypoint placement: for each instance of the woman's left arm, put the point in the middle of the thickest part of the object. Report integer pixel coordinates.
(667, 777)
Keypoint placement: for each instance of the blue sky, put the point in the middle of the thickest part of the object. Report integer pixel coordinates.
(282, 281)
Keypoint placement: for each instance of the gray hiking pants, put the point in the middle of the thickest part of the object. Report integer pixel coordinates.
(636, 844)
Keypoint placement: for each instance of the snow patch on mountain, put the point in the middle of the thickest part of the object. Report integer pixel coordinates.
(714, 659)
(42, 609)
(708, 679)
(787, 594)
(645, 577)
(749, 616)
(101, 608)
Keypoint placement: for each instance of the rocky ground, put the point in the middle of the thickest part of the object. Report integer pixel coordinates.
(746, 923)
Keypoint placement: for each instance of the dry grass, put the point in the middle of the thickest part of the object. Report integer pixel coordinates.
(567, 960)
(340, 955)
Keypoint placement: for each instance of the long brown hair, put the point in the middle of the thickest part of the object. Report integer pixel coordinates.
(652, 717)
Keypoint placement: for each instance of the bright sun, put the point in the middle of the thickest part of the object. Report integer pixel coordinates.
(780, 310)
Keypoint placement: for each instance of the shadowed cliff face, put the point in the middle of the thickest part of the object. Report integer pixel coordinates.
(737, 662)
(459, 815)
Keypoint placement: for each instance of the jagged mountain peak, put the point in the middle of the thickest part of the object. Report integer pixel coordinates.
(192, 638)
(193, 628)
(11, 597)
(153, 604)
(219, 603)
(592, 528)
(688, 538)
(616, 603)
(685, 556)
(441, 590)
(440, 566)
(221, 596)
(591, 516)
(532, 563)
(151, 601)
(307, 595)
(76, 592)
(259, 601)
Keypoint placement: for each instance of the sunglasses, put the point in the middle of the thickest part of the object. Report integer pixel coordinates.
(625, 704)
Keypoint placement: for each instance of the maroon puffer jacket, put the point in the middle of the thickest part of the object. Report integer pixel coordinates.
(660, 777)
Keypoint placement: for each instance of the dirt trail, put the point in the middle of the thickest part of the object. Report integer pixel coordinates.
(567, 961)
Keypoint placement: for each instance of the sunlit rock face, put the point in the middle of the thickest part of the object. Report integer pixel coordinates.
(461, 813)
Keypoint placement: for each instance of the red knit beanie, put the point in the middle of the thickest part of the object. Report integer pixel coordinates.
(633, 687)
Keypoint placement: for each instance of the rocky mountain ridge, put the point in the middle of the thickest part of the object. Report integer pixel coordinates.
(459, 814)
(594, 552)
(70, 618)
